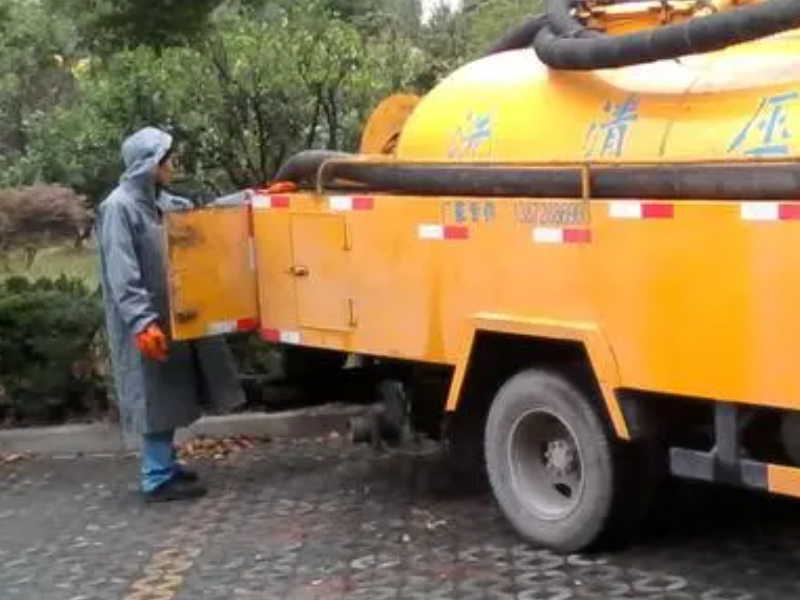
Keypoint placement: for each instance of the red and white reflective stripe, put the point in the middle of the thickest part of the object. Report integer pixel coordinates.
(626, 209)
(223, 327)
(443, 232)
(348, 203)
(281, 336)
(770, 211)
(266, 202)
(556, 235)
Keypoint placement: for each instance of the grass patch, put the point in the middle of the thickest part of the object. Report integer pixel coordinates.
(80, 263)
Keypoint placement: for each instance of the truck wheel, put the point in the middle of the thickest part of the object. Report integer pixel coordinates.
(550, 462)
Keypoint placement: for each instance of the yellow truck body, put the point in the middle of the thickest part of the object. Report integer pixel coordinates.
(670, 299)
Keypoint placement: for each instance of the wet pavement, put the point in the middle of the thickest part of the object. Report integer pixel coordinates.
(323, 520)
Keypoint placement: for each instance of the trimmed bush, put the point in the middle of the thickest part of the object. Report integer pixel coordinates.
(39, 216)
(51, 367)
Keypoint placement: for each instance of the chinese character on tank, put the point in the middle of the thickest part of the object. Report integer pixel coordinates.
(767, 133)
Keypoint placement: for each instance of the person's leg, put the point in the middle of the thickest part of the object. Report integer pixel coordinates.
(158, 460)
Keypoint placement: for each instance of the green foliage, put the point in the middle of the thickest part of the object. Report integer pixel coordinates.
(488, 21)
(251, 94)
(254, 357)
(444, 40)
(107, 26)
(32, 81)
(451, 38)
(47, 335)
(242, 83)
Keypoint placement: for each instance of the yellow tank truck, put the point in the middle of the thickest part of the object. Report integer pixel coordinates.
(594, 231)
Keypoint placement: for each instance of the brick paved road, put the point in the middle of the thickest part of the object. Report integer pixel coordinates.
(312, 520)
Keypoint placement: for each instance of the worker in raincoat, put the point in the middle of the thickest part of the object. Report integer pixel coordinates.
(161, 385)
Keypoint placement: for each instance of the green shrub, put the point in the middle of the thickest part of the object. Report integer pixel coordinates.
(253, 356)
(50, 366)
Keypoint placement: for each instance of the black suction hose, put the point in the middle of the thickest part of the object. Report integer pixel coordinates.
(519, 37)
(675, 181)
(561, 21)
(567, 44)
(303, 166)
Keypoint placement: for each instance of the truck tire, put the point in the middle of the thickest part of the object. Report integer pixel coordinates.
(551, 463)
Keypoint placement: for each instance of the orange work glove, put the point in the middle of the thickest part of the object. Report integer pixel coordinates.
(282, 187)
(152, 343)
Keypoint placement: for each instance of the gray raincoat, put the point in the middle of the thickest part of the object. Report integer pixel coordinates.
(153, 397)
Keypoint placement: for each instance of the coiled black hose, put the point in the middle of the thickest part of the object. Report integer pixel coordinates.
(565, 43)
(519, 37)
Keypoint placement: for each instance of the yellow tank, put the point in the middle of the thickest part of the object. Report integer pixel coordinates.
(736, 105)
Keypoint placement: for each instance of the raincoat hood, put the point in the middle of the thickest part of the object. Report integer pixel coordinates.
(141, 154)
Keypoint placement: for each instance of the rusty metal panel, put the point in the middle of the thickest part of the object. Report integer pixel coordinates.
(212, 272)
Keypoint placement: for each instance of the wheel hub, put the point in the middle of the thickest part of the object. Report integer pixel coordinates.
(546, 464)
(560, 457)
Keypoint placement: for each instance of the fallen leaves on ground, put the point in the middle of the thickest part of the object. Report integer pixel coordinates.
(7, 459)
(215, 448)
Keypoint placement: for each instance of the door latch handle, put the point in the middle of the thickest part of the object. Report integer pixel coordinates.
(186, 315)
(299, 271)
(353, 315)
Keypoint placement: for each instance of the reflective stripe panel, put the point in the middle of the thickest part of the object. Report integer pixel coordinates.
(789, 212)
(349, 203)
(340, 203)
(363, 203)
(271, 335)
(226, 327)
(548, 235)
(442, 232)
(770, 211)
(261, 202)
(577, 236)
(267, 202)
(625, 210)
(555, 235)
(456, 232)
(221, 327)
(630, 209)
(760, 211)
(290, 337)
(283, 337)
(652, 210)
(430, 232)
(247, 324)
